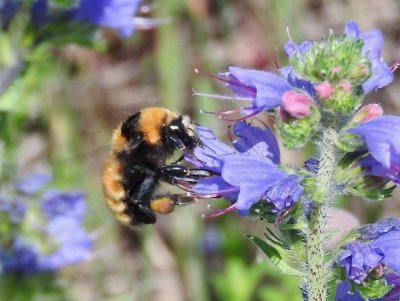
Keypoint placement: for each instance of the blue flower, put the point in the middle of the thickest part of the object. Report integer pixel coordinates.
(380, 136)
(14, 208)
(394, 294)
(373, 231)
(33, 183)
(66, 241)
(389, 243)
(57, 203)
(247, 174)
(73, 244)
(373, 41)
(8, 9)
(256, 141)
(377, 246)
(359, 259)
(39, 13)
(291, 48)
(20, 257)
(116, 14)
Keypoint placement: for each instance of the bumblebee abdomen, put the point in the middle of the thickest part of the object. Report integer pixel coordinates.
(114, 193)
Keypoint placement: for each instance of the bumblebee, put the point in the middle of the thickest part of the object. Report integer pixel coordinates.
(132, 173)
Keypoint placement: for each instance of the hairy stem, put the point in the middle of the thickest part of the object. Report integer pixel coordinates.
(318, 272)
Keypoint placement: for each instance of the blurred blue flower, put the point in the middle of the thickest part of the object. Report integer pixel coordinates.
(56, 203)
(211, 240)
(8, 9)
(33, 183)
(20, 258)
(373, 41)
(116, 14)
(66, 241)
(14, 208)
(248, 175)
(380, 136)
(39, 13)
(72, 241)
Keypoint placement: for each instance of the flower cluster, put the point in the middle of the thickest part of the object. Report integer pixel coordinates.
(372, 256)
(248, 172)
(324, 79)
(46, 244)
(317, 98)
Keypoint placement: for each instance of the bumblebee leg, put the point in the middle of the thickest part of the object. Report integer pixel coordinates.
(174, 173)
(166, 204)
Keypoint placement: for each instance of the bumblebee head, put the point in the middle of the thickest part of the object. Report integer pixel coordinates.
(180, 134)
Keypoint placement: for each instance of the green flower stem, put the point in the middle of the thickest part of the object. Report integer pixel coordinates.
(318, 272)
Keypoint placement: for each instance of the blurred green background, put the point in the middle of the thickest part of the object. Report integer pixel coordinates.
(68, 117)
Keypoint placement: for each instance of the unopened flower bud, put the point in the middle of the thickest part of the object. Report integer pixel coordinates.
(368, 112)
(324, 90)
(336, 69)
(298, 105)
(346, 86)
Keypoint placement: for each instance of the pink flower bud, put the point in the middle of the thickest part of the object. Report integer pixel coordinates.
(324, 90)
(336, 69)
(346, 86)
(368, 112)
(296, 104)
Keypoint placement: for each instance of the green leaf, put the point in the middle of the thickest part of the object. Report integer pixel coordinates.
(273, 254)
(376, 288)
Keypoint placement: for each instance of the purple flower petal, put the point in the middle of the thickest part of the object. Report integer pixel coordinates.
(19, 258)
(33, 183)
(291, 48)
(352, 30)
(358, 259)
(284, 193)
(375, 230)
(374, 168)
(373, 42)
(216, 185)
(210, 154)
(8, 9)
(381, 138)
(269, 87)
(394, 294)
(381, 76)
(261, 142)
(389, 244)
(116, 14)
(74, 244)
(343, 293)
(56, 203)
(253, 175)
